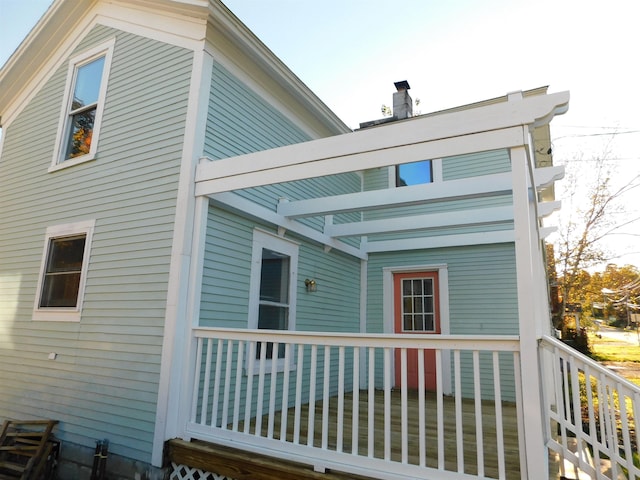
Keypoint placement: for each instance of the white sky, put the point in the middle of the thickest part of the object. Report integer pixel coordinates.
(453, 52)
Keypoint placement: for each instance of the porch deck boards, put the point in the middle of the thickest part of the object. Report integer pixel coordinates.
(449, 434)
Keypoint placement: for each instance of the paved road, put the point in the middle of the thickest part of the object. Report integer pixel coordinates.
(628, 336)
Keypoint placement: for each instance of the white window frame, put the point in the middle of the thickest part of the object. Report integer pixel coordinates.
(265, 240)
(64, 314)
(64, 124)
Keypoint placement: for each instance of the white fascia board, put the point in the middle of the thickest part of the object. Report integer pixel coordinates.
(341, 154)
(472, 217)
(442, 241)
(247, 207)
(474, 187)
(547, 208)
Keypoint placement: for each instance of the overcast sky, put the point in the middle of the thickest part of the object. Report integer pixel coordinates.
(454, 52)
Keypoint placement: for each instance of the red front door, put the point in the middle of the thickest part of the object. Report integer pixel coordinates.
(416, 311)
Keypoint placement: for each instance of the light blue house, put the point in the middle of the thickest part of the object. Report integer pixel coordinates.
(194, 247)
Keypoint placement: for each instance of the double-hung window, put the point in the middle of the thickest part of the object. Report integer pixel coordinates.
(63, 272)
(82, 107)
(272, 288)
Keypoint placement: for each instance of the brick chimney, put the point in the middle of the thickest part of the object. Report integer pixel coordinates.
(402, 102)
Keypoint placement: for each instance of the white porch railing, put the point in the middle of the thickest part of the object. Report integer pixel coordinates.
(591, 415)
(333, 401)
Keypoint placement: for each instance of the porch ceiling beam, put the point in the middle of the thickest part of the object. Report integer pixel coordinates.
(500, 125)
(247, 207)
(472, 217)
(320, 158)
(459, 240)
(474, 187)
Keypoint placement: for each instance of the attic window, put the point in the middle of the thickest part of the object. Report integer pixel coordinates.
(82, 108)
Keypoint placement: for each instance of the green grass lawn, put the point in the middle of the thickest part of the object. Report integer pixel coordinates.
(614, 352)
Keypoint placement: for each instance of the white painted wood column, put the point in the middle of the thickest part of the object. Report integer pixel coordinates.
(529, 321)
(187, 250)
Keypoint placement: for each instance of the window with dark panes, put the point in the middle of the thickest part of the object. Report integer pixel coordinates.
(61, 282)
(418, 305)
(273, 311)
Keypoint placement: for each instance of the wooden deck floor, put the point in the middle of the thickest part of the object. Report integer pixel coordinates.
(468, 450)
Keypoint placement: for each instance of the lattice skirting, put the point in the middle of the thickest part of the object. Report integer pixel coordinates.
(183, 472)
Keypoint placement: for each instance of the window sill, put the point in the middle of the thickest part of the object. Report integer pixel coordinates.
(72, 162)
(56, 315)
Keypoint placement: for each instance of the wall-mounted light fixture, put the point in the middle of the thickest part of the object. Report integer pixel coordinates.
(310, 284)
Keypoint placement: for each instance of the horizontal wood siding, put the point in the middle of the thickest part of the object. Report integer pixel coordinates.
(227, 269)
(475, 164)
(104, 381)
(240, 121)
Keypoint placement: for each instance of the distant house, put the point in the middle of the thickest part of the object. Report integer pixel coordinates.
(198, 259)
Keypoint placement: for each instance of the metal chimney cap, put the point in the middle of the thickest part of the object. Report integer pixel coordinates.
(402, 85)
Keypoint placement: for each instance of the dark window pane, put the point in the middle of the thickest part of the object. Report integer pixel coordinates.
(428, 286)
(88, 80)
(60, 290)
(274, 277)
(418, 323)
(417, 305)
(80, 133)
(273, 318)
(428, 305)
(407, 305)
(406, 287)
(65, 254)
(407, 323)
(430, 324)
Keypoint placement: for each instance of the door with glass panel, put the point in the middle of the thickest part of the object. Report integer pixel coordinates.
(416, 311)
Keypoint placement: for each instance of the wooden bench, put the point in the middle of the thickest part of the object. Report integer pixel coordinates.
(26, 449)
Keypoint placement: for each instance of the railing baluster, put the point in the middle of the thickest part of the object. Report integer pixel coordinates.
(216, 383)
(249, 401)
(227, 385)
(439, 410)
(422, 434)
(477, 393)
(260, 396)
(387, 403)
(313, 375)
(593, 437)
(237, 394)
(298, 407)
(205, 387)
(355, 408)
(519, 413)
(497, 401)
(284, 415)
(272, 391)
(403, 407)
(325, 397)
(340, 419)
(458, 403)
(371, 404)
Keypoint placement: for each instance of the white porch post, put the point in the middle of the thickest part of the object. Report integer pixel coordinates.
(527, 254)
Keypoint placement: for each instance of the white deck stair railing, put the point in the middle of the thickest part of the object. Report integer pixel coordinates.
(591, 415)
(333, 400)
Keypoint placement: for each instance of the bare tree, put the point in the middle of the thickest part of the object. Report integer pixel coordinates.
(593, 209)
